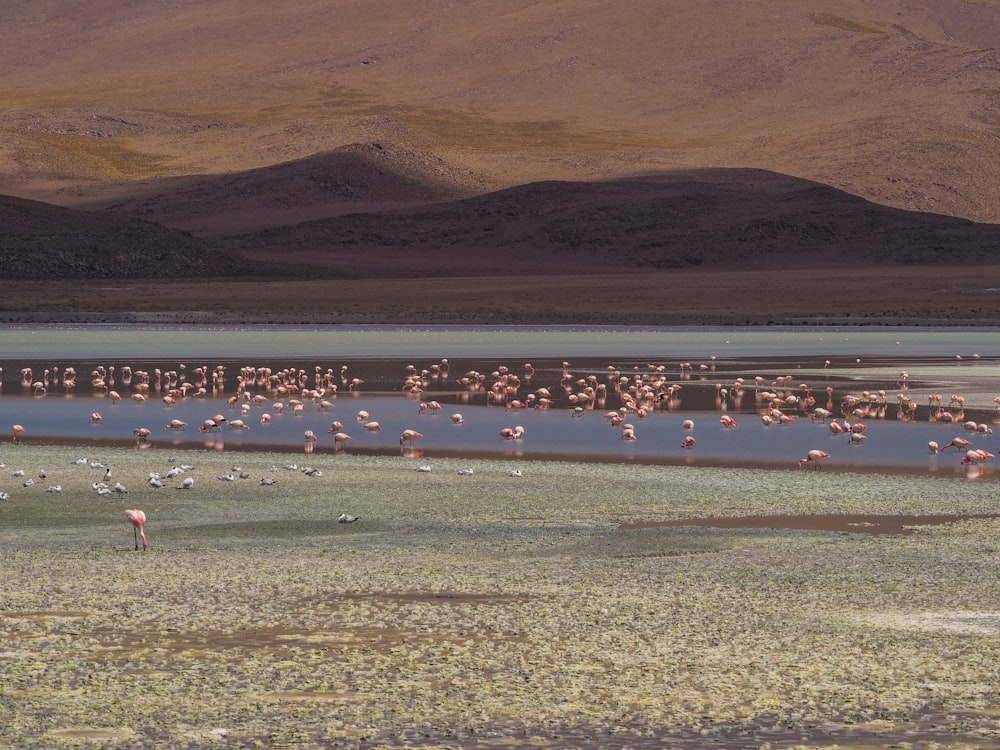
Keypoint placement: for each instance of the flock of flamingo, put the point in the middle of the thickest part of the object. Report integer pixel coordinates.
(636, 393)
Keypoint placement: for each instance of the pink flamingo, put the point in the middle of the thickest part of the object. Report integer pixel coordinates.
(959, 442)
(138, 520)
(727, 421)
(457, 418)
(141, 432)
(688, 442)
(815, 455)
(976, 456)
(16, 431)
(95, 417)
(409, 436)
(372, 426)
(310, 436)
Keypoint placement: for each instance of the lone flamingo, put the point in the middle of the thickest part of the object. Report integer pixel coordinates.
(15, 432)
(409, 436)
(814, 455)
(138, 520)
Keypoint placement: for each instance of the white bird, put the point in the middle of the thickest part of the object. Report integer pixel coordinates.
(346, 518)
(267, 480)
(4, 496)
(18, 473)
(28, 482)
(54, 488)
(465, 472)
(515, 473)
(186, 484)
(227, 478)
(120, 488)
(171, 473)
(155, 482)
(424, 467)
(80, 462)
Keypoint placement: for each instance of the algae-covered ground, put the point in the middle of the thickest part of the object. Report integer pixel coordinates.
(487, 610)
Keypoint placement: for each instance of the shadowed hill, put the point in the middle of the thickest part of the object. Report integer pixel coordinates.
(356, 177)
(41, 241)
(731, 219)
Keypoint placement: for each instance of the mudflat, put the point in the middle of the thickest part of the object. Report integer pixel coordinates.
(858, 295)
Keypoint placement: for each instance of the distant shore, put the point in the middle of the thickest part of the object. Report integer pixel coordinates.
(910, 296)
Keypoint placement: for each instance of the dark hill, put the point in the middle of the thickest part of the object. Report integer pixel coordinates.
(42, 241)
(713, 219)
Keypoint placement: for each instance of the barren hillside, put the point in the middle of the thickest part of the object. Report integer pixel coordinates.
(322, 140)
(896, 101)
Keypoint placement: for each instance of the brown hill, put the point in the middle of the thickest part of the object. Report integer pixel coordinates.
(721, 219)
(896, 101)
(618, 137)
(356, 177)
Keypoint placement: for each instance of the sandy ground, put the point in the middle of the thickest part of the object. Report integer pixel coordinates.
(485, 610)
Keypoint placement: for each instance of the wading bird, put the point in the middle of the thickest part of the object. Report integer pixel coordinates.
(138, 520)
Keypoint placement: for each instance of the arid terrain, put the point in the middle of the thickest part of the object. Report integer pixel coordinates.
(539, 161)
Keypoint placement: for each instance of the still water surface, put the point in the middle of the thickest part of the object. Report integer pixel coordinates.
(460, 368)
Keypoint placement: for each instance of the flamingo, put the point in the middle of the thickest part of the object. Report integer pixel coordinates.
(339, 438)
(95, 417)
(409, 436)
(310, 436)
(141, 432)
(815, 455)
(959, 442)
(976, 456)
(372, 426)
(457, 418)
(176, 424)
(727, 421)
(16, 431)
(507, 433)
(688, 442)
(932, 446)
(138, 520)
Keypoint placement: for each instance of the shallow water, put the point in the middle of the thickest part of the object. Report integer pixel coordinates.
(830, 362)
